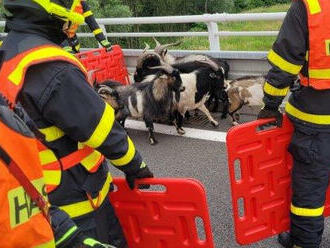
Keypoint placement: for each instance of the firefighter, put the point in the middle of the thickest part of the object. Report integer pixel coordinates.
(22, 222)
(79, 128)
(303, 47)
(72, 44)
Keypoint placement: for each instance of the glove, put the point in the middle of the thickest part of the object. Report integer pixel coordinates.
(267, 112)
(81, 241)
(144, 172)
(106, 44)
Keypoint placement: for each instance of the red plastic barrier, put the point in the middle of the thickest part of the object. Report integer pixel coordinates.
(109, 65)
(164, 217)
(261, 188)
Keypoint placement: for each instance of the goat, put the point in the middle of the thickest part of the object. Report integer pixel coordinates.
(161, 54)
(150, 99)
(199, 83)
(244, 91)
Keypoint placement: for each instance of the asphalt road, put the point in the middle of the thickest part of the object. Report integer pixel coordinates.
(206, 161)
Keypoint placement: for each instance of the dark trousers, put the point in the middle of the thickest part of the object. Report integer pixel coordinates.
(310, 175)
(103, 225)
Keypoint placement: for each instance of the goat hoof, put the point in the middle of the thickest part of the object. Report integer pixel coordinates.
(236, 116)
(152, 141)
(181, 131)
(215, 123)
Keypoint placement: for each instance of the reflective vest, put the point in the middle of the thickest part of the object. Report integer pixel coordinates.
(12, 76)
(22, 224)
(319, 45)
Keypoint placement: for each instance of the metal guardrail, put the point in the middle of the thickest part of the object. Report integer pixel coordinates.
(242, 62)
(210, 20)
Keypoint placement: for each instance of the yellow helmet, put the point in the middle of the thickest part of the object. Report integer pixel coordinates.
(65, 10)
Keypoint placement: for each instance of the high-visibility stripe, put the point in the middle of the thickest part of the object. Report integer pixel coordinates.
(273, 91)
(43, 53)
(47, 157)
(87, 13)
(52, 133)
(97, 31)
(124, 160)
(68, 49)
(316, 119)
(103, 128)
(50, 244)
(319, 73)
(281, 63)
(307, 212)
(85, 207)
(52, 177)
(66, 235)
(91, 161)
(91, 242)
(314, 6)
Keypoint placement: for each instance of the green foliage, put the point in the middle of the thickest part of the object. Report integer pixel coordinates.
(108, 8)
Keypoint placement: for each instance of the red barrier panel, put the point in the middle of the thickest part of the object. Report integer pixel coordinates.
(173, 213)
(109, 65)
(259, 167)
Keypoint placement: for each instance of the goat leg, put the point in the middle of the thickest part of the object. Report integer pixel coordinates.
(178, 122)
(225, 109)
(235, 116)
(209, 116)
(150, 125)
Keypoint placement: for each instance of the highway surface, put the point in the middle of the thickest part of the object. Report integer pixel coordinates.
(200, 154)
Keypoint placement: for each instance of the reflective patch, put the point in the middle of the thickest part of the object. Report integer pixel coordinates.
(21, 206)
(327, 47)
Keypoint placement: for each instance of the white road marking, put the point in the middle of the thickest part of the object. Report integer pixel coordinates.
(170, 130)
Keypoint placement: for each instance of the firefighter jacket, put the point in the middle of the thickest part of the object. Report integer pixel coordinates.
(302, 47)
(22, 224)
(78, 126)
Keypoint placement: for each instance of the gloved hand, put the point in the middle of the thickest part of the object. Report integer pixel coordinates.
(106, 44)
(81, 241)
(267, 112)
(144, 172)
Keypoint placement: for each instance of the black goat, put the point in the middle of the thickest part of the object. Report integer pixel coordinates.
(149, 100)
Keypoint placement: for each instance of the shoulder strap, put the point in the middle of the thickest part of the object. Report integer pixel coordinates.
(16, 171)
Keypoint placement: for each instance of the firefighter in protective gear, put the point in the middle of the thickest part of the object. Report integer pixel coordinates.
(303, 47)
(79, 128)
(72, 44)
(28, 225)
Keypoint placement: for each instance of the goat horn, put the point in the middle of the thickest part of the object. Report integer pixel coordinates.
(166, 67)
(157, 42)
(106, 89)
(159, 48)
(90, 76)
(146, 48)
(209, 62)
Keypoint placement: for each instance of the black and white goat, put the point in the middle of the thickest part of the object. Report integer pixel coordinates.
(150, 99)
(199, 84)
(244, 91)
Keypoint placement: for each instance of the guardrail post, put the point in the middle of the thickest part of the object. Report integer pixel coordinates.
(213, 38)
(102, 26)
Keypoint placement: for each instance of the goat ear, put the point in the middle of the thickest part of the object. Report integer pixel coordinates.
(212, 75)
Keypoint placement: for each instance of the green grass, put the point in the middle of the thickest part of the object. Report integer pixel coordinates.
(235, 43)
